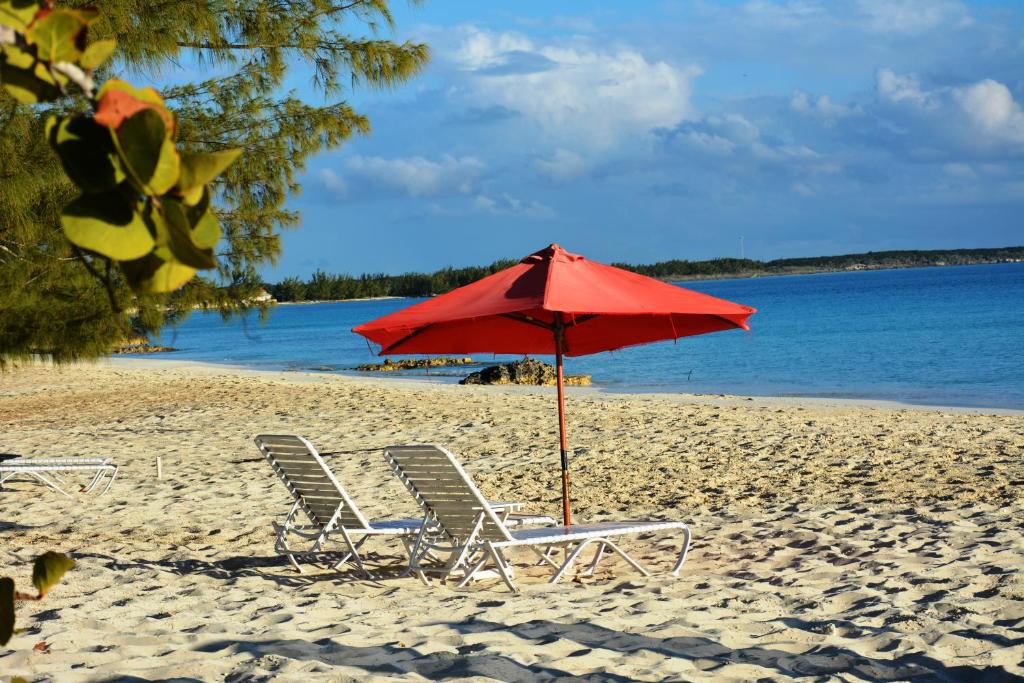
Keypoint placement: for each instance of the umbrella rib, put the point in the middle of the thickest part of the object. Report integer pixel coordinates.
(732, 323)
(523, 318)
(390, 348)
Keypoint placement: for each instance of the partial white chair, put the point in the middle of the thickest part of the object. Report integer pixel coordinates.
(53, 471)
(459, 522)
(329, 509)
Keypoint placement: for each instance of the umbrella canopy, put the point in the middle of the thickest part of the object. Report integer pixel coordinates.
(516, 310)
(553, 302)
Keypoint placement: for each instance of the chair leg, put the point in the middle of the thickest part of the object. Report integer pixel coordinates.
(503, 568)
(571, 558)
(683, 552)
(633, 563)
(110, 482)
(594, 562)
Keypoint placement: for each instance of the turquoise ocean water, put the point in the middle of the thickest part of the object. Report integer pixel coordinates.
(944, 336)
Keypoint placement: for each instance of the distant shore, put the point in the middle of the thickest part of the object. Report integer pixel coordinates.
(727, 275)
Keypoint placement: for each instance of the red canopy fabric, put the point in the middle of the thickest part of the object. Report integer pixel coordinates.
(514, 311)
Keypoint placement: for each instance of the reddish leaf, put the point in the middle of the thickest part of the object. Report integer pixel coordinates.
(42, 646)
(116, 105)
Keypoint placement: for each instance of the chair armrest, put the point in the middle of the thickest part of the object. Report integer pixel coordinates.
(505, 505)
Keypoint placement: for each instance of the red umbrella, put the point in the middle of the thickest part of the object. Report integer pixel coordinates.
(553, 302)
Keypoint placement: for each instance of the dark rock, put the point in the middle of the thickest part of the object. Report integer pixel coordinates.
(413, 364)
(141, 345)
(528, 371)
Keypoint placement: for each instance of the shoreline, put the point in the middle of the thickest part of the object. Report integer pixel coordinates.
(595, 391)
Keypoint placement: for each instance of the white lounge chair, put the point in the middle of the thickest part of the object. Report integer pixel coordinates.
(328, 507)
(52, 471)
(462, 525)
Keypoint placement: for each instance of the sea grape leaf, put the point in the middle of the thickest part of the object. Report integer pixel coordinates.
(107, 223)
(15, 56)
(199, 168)
(48, 570)
(6, 609)
(147, 153)
(86, 152)
(154, 274)
(57, 35)
(195, 209)
(207, 232)
(118, 100)
(29, 86)
(17, 13)
(98, 52)
(180, 239)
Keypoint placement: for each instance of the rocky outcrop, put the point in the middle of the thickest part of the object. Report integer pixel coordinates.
(528, 371)
(141, 345)
(413, 364)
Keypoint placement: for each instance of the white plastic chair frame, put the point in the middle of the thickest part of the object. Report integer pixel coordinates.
(51, 471)
(459, 523)
(328, 507)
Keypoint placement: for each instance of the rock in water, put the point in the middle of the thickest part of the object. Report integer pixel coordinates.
(528, 371)
(390, 365)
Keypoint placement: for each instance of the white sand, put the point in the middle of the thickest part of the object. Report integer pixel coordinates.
(831, 541)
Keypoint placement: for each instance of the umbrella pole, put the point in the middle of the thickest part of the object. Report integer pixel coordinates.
(566, 514)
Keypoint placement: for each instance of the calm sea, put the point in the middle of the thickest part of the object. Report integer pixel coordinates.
(944, 336)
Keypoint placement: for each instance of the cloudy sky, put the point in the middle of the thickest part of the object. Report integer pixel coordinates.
(644, 131)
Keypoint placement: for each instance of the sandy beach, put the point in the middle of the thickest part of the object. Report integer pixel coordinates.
(831, 541)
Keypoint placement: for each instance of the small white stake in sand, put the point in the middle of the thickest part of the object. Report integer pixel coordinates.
(159, 467)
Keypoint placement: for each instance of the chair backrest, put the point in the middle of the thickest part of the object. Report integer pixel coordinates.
(444, 491)
(310, 481)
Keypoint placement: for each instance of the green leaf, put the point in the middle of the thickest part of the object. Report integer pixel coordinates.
(86, 152)
(153, 274)
(28, 86)
(15, 56)
(107, 223)
(6, 609)
(17, 14)
(56, 35)
(98, 52)
(200, 168)
(206, 232)
(48, 570)
(147, 152)
(180, 239)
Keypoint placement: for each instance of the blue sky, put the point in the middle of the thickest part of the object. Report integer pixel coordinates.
(644, 131)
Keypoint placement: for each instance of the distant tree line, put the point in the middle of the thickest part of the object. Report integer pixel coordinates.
(323, 286)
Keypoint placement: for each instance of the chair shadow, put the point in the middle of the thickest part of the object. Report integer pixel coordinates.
(232, 568)
(825, 660)
(394, 660)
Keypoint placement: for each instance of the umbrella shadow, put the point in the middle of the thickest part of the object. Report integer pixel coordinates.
(824, 660)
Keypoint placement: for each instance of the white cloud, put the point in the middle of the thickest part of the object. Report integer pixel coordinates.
(505, 204)
(912, 16)
(593, 96)
(958, 170)
(562, 165)
(895, 88)
(990, 105)
(333, 182)
(823, 107)
(791, 14)
(414, 176)
(980, 116)
(803, 189)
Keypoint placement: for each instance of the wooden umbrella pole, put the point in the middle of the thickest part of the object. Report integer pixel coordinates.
(559, 334)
